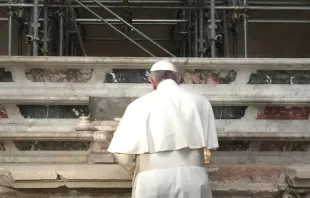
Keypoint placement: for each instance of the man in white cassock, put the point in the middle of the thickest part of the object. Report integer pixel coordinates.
(162, 136)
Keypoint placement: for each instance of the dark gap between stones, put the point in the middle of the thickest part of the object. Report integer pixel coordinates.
(53, 111)
(52, 145)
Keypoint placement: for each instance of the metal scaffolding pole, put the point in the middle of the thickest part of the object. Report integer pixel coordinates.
(61, 33)
(115, 28)
(189, 35)
(35, 26)
(76, 28)
(134, 21)
(123, 39)
(184, 29)
(245, 31)
(29, 47)
(212, 15)
(45, 32)
(181, 2)
(201, 35)
(138, 31)
(196, 36)
(279, 8)
(172, 21)
(226, 37)
(249, 7)
(10, 33)
(278, 21)
(67, 33)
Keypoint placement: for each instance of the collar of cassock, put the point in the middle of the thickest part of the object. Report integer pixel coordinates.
(167, 83)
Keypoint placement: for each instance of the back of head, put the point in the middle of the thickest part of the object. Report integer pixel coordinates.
(163, 70)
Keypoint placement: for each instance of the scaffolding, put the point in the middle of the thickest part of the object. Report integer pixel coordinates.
(201, 27)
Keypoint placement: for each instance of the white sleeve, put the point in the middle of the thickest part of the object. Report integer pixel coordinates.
(126, 137)
(212, 140)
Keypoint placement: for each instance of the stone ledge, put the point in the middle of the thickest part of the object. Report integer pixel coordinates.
(247, 189)
(146, 62)
(29, 176)
(79, 93)
(226, 180)
(243, 129)
(298, 176)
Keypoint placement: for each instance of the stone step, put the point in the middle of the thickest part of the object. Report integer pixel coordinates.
(147, 62)
(299, 176)
(243, 129)
(239, 180)
(79, 93)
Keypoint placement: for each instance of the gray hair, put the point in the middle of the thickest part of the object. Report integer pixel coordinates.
(160, 75)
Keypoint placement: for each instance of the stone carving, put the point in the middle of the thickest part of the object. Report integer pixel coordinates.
(103, 139)
(189, 76)
(84, 121)
(208, 76)
(3, 113)
(284, 113)
(59, 75)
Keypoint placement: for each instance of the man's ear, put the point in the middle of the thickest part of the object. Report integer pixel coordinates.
(179, 79)
(154, 86)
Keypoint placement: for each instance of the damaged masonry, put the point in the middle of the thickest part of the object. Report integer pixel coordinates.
(68, 70)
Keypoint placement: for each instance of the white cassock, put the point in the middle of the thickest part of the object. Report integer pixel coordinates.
(162, 137)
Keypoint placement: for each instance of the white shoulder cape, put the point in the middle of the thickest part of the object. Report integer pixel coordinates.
(169, 118)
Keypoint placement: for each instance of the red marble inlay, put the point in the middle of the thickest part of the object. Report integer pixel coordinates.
(284, 113)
